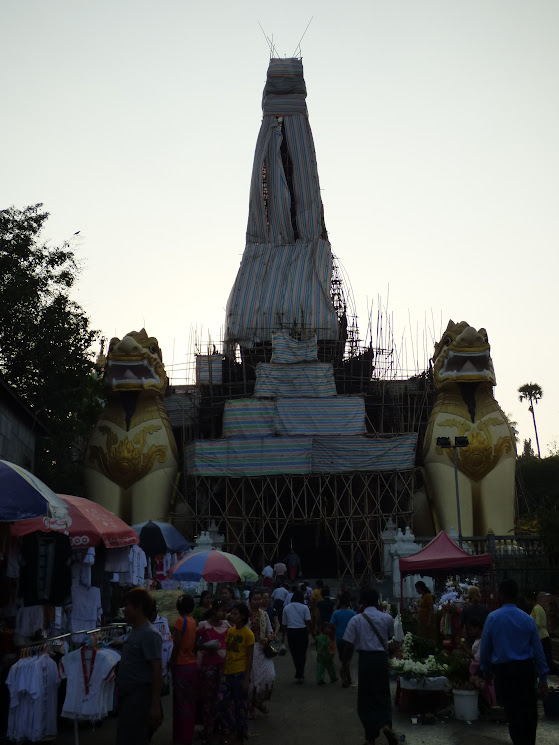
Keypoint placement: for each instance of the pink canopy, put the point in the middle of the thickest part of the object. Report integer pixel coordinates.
(443, 556)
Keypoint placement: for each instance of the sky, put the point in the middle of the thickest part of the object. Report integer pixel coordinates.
(435, 125)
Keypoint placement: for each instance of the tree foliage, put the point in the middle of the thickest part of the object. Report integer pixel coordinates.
(532, 392)
(45, 343)
(540, 481)
(527, 449)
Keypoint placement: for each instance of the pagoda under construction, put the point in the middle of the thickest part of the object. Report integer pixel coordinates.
(302, 436)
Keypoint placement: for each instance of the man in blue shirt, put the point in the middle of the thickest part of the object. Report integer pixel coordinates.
(512, 650)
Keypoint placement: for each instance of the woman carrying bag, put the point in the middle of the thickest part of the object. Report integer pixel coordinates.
(263, 673)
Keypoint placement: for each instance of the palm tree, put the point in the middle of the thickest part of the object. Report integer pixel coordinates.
(531, 392)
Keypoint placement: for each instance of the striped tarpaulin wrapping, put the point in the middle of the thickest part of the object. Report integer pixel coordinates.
(288, 350)
(284, 277)
(343, 415)
(269, 456)
(249, 417)
(249, 456)
(253, 417)
(306, 379)
(284, 105)
(278, 286)
(342, 454)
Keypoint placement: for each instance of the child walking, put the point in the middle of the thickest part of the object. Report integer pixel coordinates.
(233, 694)
(324, 656)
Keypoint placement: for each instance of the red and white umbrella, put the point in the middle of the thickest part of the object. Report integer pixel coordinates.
(87, 524)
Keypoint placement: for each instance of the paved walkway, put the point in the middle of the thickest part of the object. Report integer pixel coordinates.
(326, 715)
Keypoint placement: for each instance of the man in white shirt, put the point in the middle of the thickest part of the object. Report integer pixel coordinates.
(278, 596)
(369, 633)
(296, 620)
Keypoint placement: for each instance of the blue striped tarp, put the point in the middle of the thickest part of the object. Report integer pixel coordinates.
(343, 415)
(257, 456)
(249, 417)
(274, 456)
(342, 454)
(279, 286)
(253, 417)
(306, 379)
(284, 278)
(209, 369)
(285, 349)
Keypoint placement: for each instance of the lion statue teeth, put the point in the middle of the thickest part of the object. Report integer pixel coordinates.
(465, 407)
(131, 460)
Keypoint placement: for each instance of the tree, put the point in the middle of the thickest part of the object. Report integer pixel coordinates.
(531, 392)
(527, 450)
(45, 343)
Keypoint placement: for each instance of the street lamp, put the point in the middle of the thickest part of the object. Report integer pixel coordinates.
(459, 442)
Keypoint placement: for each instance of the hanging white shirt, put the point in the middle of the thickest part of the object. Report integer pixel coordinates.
(86, 609)
(117, 559)
(29, 619)
(87, 670)
(137, 564)
(33, 685)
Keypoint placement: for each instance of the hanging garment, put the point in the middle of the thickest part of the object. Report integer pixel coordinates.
(29, 620)
(46, 568)
(86, 609)
(117, 559)
(137, 564)
(33, 685)
(88, 671)
(81, 570)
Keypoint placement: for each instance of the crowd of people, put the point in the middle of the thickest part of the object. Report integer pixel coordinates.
(222, 665)
(222, 662)
(509, 651)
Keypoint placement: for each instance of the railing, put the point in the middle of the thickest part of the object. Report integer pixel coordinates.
(499, 546)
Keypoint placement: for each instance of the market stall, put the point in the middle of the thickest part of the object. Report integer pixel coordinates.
(425, 674)
(441, 557)
(64, 567)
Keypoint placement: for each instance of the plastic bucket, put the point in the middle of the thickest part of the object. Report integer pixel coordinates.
(466, 705)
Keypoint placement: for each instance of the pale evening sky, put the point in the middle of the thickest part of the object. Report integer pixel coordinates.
(435, 125)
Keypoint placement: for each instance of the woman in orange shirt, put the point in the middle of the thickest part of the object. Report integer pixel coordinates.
(185, 673)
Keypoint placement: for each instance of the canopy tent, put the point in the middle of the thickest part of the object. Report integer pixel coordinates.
(443, 556)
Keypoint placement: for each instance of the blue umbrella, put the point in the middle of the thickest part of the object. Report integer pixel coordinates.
(23, 495)
(160, 538)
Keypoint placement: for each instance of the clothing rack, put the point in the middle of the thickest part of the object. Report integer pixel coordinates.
(99, 630)
(29, 648)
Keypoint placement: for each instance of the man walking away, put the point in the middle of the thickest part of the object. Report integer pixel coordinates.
(297, 622)
(369, 633)
(512, 650)
(139, 673)
(278, 596)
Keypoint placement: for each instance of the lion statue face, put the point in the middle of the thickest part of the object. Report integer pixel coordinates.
(135, 363)
(463, 356)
